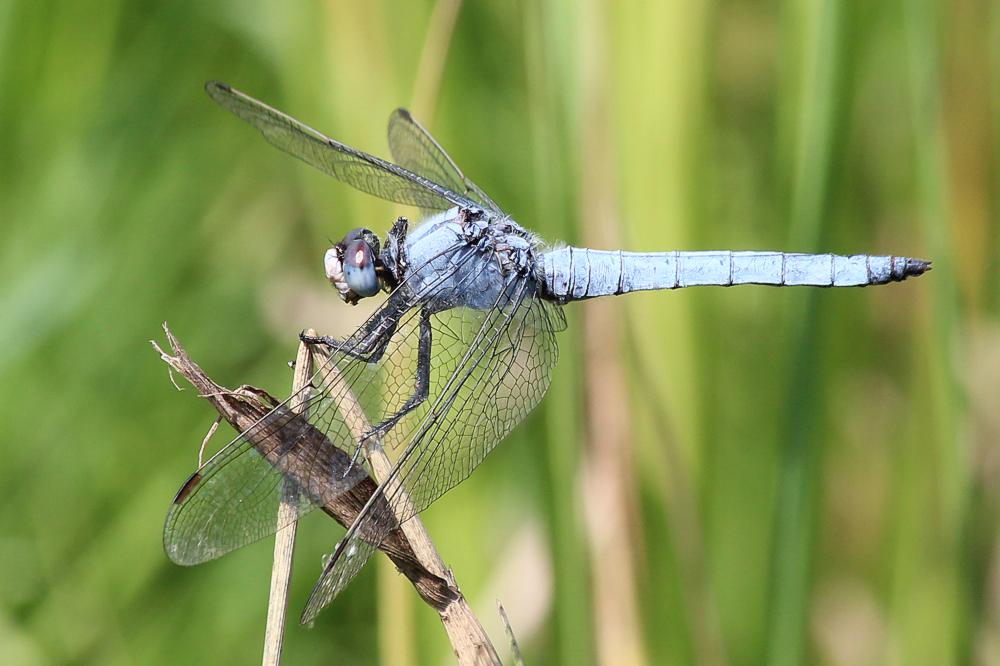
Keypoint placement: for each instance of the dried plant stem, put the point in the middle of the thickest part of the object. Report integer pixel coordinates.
(359, 424)
(467, 636)
(284, 538)
(409, 548)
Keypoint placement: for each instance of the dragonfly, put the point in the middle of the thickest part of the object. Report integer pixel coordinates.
(457, 355)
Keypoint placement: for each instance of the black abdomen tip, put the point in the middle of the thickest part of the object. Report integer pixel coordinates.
(915, 267)
(903, 267)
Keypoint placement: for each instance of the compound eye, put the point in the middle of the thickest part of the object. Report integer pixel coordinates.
(354, 234)
(359, 269)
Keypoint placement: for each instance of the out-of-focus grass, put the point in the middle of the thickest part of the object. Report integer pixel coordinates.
(809, 475)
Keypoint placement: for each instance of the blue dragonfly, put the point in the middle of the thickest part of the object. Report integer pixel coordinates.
(458, 354)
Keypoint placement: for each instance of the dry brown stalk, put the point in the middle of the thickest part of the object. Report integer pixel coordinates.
(287, 448)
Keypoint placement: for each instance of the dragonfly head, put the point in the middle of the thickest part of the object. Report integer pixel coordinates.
(354, 267)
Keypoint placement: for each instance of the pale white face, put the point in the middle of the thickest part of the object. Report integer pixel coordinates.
(335, 272)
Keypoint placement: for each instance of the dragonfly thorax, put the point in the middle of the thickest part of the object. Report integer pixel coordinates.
(460, 259)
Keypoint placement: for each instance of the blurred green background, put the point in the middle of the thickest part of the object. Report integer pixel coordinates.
(717, 476)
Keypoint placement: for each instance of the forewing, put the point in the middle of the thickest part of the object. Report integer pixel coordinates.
(233, 499)
(361, 170)
(489, 370)
(413, 148)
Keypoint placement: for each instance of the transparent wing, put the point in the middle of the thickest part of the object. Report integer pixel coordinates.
(233, 499)
(413, 148)
(489, 369)
(365, 172)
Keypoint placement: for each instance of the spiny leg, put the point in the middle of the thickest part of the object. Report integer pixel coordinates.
(370, 349)
(422, 381)
(376, 336)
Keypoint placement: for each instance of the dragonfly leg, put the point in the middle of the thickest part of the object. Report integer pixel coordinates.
(370, 342)
(422, 381)
(394, 255)
(369, 350)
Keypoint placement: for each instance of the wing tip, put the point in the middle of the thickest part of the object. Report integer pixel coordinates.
(178, 554)
(318, 600)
